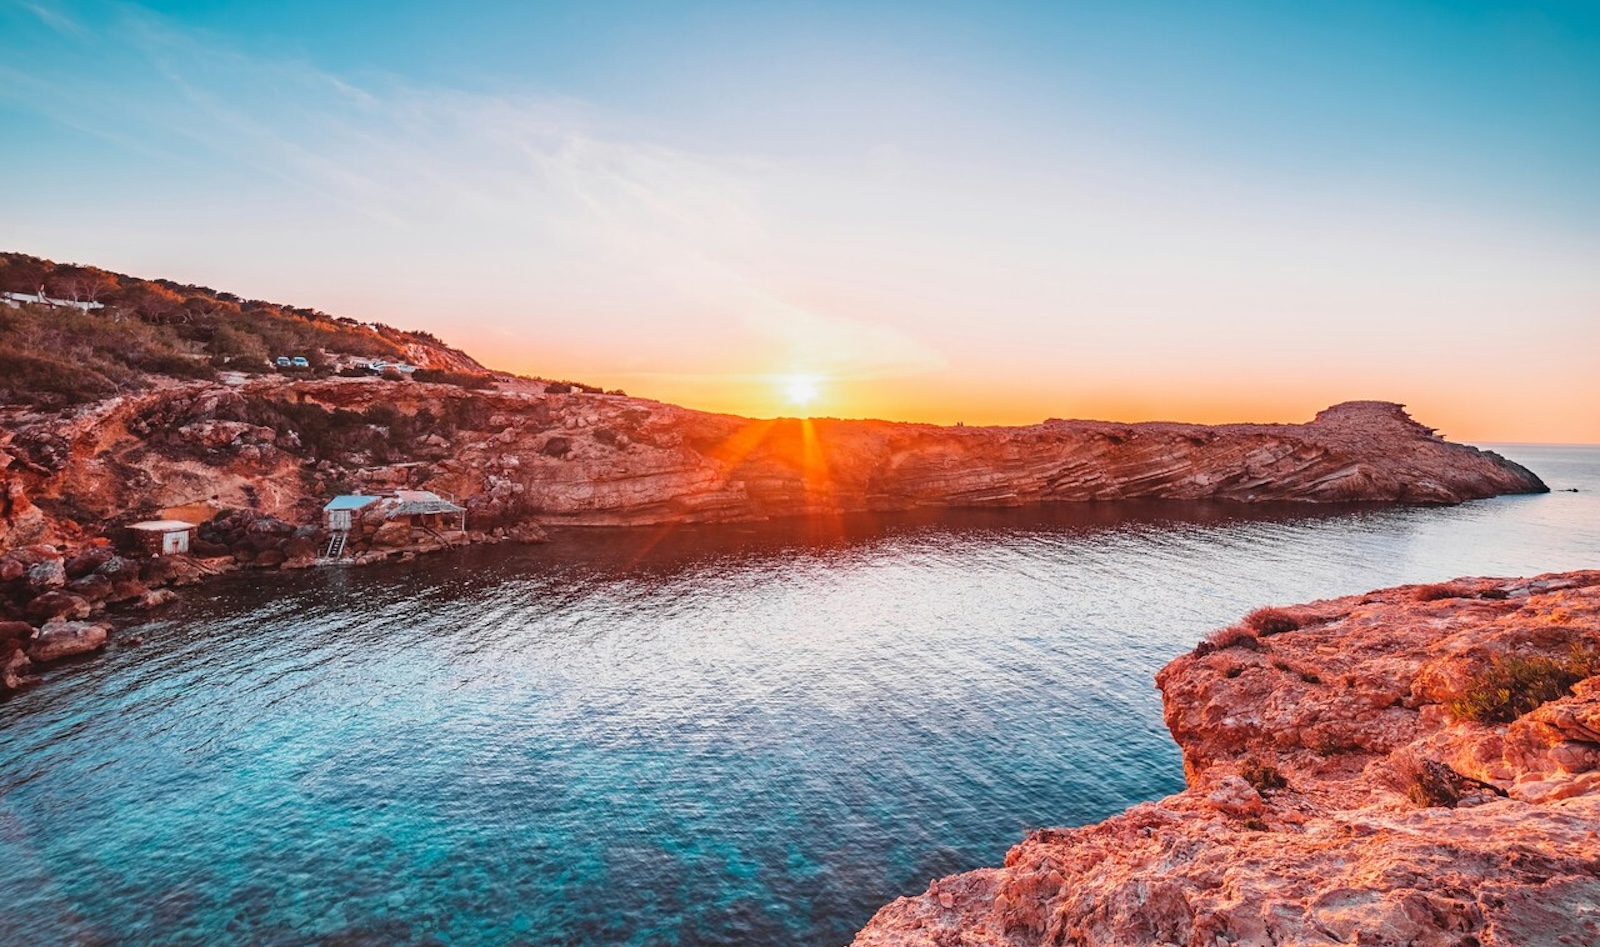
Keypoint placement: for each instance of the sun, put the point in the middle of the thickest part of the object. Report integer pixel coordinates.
(801, 390)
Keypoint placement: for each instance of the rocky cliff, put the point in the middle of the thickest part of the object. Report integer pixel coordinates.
(1415, 766)
(520, 452)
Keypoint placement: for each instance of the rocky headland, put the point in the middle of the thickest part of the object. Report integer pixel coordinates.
(518, 452)
(1414, 766)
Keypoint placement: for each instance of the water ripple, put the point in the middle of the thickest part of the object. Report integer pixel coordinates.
(735, 736)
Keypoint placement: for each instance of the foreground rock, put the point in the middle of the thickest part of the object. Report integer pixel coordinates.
(1335, 796)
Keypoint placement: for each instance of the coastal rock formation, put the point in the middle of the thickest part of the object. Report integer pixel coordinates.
(1361, 771)
(254, 459)
(524, 453)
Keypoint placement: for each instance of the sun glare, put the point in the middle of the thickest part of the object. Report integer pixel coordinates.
(801, 390)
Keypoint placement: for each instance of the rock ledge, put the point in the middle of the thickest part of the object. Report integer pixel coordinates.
(1333, 796)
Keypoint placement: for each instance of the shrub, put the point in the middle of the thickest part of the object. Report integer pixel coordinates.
(1430, 784)
(1233, 636)
(1513, 685)
(459, 379)
(1264, 777)
(178, 366)
(1270, 621)
(48, 382)
(1435, 592)
(144, 321)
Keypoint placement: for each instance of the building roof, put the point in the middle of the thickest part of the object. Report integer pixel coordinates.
(412, 502)
(351, 502)
(162, 526)
(413, 507)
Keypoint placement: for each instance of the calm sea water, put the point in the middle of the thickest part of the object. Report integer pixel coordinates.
(742, 736)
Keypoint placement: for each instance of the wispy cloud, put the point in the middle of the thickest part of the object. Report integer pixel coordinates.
(443, 167)
(55, 19)
(1038, 247)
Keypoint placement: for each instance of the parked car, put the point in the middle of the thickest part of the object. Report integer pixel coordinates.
(282, 361)
(299, 361)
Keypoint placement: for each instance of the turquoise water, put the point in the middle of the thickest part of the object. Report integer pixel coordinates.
(739, 735)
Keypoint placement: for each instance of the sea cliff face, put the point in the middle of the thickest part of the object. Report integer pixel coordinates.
(1354, 777)
(520, 454)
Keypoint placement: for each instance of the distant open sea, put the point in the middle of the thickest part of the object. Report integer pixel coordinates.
(740, 735)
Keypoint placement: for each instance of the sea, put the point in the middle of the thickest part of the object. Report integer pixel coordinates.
(730, 735)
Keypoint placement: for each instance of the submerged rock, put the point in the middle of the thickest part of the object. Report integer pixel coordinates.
(1341, 791)
(526, 533)
(155, 598)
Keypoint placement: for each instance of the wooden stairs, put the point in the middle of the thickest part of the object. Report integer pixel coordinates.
(336, 545)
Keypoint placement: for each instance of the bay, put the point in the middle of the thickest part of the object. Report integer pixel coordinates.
(694, 736)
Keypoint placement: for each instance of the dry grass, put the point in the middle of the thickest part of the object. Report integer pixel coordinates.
(1437, 591)
(1513, 685)
(1264, 777)
(1234, 636)
(1271, 621)
(1429, 784)
(154, 327)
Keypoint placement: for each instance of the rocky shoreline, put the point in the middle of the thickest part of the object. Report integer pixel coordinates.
(1414, 766)
(524, 451)
(253, 459)
(62, 606)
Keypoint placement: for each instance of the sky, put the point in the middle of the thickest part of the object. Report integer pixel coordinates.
(978, 212)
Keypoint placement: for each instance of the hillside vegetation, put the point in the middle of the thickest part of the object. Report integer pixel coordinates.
(56, 356)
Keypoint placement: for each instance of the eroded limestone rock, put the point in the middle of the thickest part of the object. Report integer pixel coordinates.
(1348, 707)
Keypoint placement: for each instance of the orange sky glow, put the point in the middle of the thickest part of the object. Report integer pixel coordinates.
(986, 216)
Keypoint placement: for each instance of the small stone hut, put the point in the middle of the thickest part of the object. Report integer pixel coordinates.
(164, 537)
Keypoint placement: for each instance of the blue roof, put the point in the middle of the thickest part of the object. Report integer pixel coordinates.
(350, 502)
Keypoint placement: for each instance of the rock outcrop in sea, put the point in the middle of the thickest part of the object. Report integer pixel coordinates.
(1415, 766)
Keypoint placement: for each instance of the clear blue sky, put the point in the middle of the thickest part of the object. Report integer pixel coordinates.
(1206, 210)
